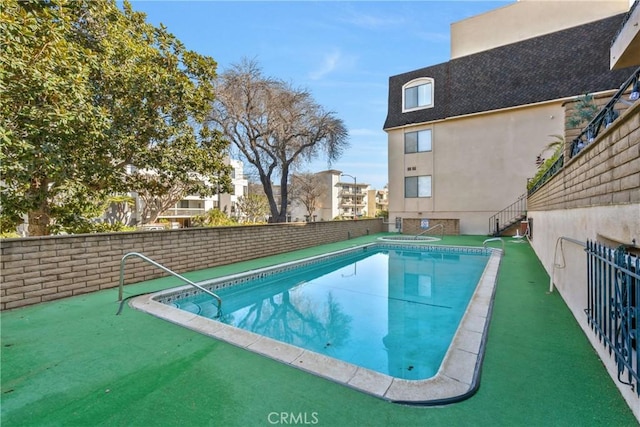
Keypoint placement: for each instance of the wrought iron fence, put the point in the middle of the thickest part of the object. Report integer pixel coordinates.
(604, 118)
(613, 306)
(553, 169)
(608, 114)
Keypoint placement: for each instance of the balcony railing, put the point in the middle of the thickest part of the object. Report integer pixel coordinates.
(613, 307)
(604, 118)
(553, 169)
(344, 193)
(182, 212)
(608, 114)
(625, 20)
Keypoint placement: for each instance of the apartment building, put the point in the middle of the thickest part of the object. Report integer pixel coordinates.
(378, 201)
(352, 198)
(339, 196)
(182, 213)
(464, 135)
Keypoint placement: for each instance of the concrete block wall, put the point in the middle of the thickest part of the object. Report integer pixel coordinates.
(39, 269)
(412, 226)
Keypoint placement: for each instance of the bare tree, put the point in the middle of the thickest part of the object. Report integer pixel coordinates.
(274, 127)
(253, 206)
(306, 189)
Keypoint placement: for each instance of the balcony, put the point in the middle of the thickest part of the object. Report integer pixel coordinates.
(349, 203)
(181, 212)
(349, 192)
(626, 45)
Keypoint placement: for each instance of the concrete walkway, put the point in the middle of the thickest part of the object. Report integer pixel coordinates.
(73, 362)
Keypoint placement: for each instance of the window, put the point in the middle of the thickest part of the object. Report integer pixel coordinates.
(417, 94)
(415, 142)
(417, 186)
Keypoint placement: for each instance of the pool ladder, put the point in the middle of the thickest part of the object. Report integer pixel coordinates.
(494, 239)
(163, 268)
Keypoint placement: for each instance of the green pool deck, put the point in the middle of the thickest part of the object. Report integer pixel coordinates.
(73, 362)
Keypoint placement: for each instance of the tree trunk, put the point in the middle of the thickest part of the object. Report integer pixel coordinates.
(284, 195)
(39, 223)
(40, 216)
(268, 191)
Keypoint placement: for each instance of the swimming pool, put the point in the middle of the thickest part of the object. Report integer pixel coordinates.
(357, 316)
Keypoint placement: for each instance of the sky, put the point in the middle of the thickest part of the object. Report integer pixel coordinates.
(343, 53)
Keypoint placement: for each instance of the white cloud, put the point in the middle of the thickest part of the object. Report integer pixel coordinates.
(370, 21)
(331, 62)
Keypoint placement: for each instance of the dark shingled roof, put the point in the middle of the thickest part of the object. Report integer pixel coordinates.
(566, 63)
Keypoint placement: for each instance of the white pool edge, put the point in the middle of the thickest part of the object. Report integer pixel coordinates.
(457, 378)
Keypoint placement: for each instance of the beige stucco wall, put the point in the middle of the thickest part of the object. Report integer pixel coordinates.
(479, 164)
(479, 33)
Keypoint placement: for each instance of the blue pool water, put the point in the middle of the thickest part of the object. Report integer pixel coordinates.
(393, 311)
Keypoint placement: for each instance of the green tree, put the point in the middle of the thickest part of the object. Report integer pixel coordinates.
(275, 127)
(213, 218)
(91, 93)
(585, 109)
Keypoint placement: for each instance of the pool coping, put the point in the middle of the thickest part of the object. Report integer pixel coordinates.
(457, 378)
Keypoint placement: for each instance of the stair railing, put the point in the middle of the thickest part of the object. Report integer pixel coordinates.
(508, 216)
(163, 268)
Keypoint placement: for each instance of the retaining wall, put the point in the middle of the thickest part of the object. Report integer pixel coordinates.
(38, 269)
(606, 172)
(596, 196)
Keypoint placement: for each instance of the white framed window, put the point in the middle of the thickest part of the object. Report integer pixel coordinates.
(417, 186)
(416, 142)
(417, 94)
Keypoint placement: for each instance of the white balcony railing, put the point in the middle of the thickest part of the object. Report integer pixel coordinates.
(182, 212)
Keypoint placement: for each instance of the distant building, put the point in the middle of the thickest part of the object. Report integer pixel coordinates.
(193, 205)
(378, 202)
(342, 197)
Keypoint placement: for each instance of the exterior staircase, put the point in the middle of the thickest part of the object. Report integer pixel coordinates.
(508, 217)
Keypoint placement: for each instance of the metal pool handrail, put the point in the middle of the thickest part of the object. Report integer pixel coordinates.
(493, 239)
(429, 229)
(163, 268)
(555, 252)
